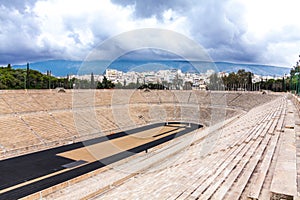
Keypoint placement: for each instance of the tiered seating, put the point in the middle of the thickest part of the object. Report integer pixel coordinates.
(252, 99)
(103, 97)
(150, 96)
(190, 113)
(188, 107)
(21, 102)
(4, 107)
(105, 119)
(122, 117)
(242, 153)
(284, 181)
(15, 134)
(83, 99)
(205, 116)
(182, 97)
(139, 113)
(212, 115)
(236, 181)
(86, 123)
(260, 175)
(218, 99)
(193, 98)
(121, 97)
(51, 100)
(172, 112)
(232, 98)
(228, 172)
(167, 96)
(46, 127)
(237, 162)
(255, 144)
(203, 97)
(51, 117)
(66, 119)
(137, 97)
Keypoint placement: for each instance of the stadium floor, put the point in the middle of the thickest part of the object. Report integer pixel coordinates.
(27, 174)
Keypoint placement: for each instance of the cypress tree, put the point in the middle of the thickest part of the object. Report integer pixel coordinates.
(27, 76)
(92, 81)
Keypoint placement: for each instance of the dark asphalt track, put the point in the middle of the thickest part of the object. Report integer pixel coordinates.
(20, 169)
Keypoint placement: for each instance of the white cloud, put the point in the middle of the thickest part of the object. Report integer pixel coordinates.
(267, 16)
(273, 26)
(264, 32)
(75, 26)
(69, 29)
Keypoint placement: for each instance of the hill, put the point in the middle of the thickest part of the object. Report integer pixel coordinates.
(63, 67)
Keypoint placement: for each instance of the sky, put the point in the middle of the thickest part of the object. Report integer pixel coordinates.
(240, 31)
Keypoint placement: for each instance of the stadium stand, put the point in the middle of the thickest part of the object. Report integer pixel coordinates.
(51, 99)
(137, 97)
(252, 157)
(46, 127)
(4, 107)
(249, 148)
(49, 118)
(103, 97)
(236, 169)
(66, 119)
(22, 137)
(166, 96)
(21, 102)
(150, 96)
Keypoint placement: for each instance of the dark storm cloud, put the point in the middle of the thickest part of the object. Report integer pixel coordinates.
(218, 26)
(54, 29)
(20, 35)
(17, 34)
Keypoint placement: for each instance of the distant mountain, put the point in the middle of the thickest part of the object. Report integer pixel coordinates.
(57, 67)
(264, 70)
(63, 67)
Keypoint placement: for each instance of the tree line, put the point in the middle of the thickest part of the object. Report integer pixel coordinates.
(243, 81)
(32, 79)
(295, 78)
(27, 79)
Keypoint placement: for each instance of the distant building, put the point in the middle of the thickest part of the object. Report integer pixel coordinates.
(113, 75)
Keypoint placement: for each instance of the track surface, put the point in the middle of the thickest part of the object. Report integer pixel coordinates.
(21, 169)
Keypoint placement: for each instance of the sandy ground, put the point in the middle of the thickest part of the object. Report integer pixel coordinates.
(104, 149)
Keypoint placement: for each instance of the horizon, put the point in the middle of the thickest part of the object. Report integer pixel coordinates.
(99, 67)
(165, 60)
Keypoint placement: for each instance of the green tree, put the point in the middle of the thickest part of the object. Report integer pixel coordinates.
(27, 76)
(177, 82)
(187, 85)
(105, 84)
(92, 81)
(215, 82)
(118, 86)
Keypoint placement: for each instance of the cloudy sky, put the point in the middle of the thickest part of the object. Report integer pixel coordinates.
(246, 31)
